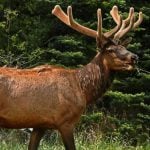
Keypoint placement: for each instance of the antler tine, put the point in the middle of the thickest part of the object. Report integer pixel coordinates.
(68, 20)
(59, 13)
(99, 25)
(125, 22)
(70, 15)
(117, 18)
(119, 31)
(139, 21)
(131, 11)
(132, 25)
(122, 31)
(114, 13)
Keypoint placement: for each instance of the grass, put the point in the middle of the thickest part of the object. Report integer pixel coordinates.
(96, 145)
(17, 141)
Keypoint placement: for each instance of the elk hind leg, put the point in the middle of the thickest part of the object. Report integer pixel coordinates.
(68, 138)
(35, 138)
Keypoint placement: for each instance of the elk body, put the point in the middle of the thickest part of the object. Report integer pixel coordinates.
(49, 97)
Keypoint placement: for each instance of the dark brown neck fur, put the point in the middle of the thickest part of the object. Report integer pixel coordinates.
(95, 78)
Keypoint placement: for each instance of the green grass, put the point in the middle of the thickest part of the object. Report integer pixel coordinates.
(81, 145)
(83, 141)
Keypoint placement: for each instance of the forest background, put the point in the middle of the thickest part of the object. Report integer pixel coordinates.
(30, 35)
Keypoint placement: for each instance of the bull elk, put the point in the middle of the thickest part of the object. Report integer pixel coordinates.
(48, 97)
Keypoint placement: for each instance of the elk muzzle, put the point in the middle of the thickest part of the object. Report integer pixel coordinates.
(132, 60)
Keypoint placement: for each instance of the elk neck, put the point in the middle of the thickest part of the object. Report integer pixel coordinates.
(95, 78)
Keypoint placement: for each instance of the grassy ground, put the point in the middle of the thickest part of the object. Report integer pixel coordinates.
(15, 141)
(96, 145)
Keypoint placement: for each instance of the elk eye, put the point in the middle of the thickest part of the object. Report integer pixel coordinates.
(110, 49)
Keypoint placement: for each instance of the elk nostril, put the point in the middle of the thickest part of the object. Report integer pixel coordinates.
(134, 57)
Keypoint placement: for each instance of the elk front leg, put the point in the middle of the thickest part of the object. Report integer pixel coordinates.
(35, 138)
(67, 137)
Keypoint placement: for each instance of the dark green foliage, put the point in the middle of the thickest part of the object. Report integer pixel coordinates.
(30, 36)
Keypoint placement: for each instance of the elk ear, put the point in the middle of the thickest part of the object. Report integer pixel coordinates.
(126, 42)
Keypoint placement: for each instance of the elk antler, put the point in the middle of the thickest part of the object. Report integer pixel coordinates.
(68, 20)
(119, 31)
(117, 18)
(99, 24)
(130, 20)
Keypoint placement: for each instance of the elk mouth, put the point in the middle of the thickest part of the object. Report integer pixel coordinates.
(129, 66)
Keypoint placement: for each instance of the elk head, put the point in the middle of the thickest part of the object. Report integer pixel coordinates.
(113, 51)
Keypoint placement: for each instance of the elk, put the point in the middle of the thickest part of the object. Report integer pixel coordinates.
(49, 97)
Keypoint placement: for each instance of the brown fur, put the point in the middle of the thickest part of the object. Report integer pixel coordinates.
(36, 97)
(47, 97)
(39, 97)
(53, 97)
